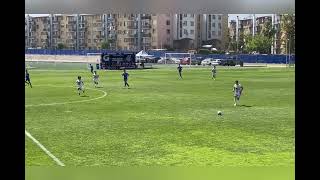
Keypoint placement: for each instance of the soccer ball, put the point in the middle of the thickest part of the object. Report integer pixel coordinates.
(219, 113)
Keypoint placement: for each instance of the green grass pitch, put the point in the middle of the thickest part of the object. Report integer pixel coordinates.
(161, 120)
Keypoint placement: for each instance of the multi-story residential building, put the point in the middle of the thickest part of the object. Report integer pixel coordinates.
(145, 30)
(246, 27)
(83, 31)
(91, 31)
(260, 23)
(233, 30)
(134, 31)
(214, 29)
(162, 31)
(185, 31)
(109, 27)
(127, 31)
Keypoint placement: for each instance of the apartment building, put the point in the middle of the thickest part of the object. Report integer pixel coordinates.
(214, 30)
(162, 31)
(186, 31)
(109, 27)
(260, 23)
(127, 31)
(233, 30)
(84, 31)
(37, 32)
(246, 26)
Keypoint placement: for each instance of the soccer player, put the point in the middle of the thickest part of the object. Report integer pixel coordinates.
(180, 70)
(237, 90)
(80, 85)
(28, 79)
(95, 79)
(91, 68)
(214, 71)
(125, 78)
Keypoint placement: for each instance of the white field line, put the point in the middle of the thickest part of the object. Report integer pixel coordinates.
(37, 142)
(44, 149)
(71, 102)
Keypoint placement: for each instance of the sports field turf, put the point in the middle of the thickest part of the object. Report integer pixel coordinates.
(161, 120)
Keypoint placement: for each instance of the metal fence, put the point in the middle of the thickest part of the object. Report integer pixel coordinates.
(247, 58)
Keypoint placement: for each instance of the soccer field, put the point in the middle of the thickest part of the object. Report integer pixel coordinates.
(160, 119)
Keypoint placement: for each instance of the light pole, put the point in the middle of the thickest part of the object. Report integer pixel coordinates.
(237, 36)
(289, 51)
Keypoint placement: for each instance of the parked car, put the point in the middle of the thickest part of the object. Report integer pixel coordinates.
(169, 61)
(216, 62)
(185, 61)
(206, 61)
(228, 62)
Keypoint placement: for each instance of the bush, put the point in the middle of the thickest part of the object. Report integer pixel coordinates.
(204, 51)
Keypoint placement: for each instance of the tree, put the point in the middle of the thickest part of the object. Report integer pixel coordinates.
(268, 30)
(241, 42)
(61, 46)
(258, 43)
(288, 27)
(105, 45)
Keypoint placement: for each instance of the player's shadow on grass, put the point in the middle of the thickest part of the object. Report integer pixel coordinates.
(84, 96)
(245, 105)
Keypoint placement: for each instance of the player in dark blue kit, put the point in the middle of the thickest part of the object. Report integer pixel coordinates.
(180, 70)
(91, 68)
(125, 78)
(28, 79)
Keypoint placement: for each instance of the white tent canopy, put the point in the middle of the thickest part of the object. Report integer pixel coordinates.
(207, 46)
(143, 54)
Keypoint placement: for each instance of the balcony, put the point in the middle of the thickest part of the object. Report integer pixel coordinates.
(131, 18)
(132, 27)
(146, 27)
(145, 17)
(132, 35)
(146, 35)
(71, 29)
(72, 22)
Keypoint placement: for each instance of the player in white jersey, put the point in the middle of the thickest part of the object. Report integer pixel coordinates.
(95, 79)
(214, 72)
(237, 90)
(80, 85)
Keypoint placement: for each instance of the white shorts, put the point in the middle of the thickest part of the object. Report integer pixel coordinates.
(237, 95)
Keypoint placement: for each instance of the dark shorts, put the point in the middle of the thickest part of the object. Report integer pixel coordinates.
(28, 79)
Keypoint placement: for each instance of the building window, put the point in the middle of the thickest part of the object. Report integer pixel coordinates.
(219, 25)
(168, 31)
(185, 15)
(192, 15)
(180, 33)
(191, 23)
(219, 33)
(219, 17)
(192, 32)
(213, 25)
(213, 16)
(213, 33)
(185, 32)
(185, 23)
(153, 30)
(168, 22)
